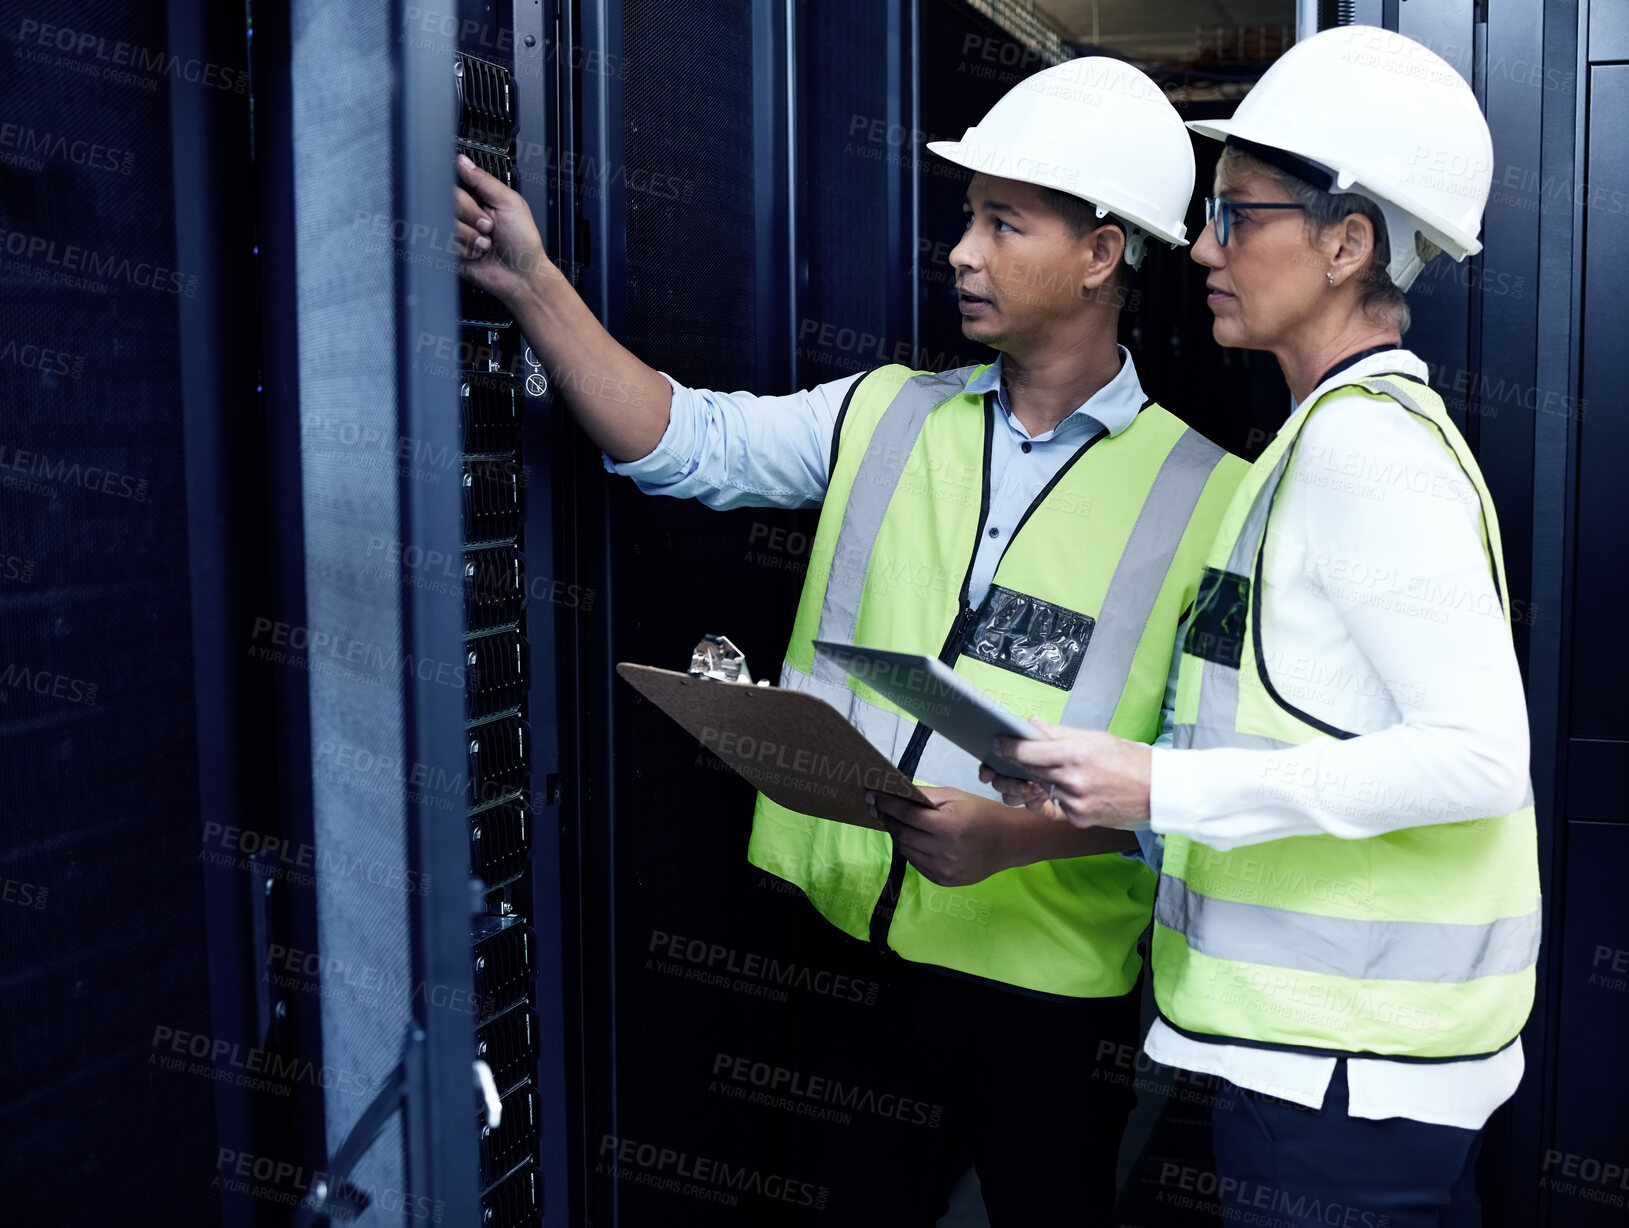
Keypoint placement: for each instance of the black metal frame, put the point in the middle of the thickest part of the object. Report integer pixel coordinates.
(227, 478)
(904, 295)
(554, 897)
(243, 489)
(774, 52)
(288, 759)
(1558, 327)
(1552, 140)
(584, 242)
(596, 247)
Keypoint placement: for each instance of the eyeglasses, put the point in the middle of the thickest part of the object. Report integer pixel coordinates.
(1220, 210)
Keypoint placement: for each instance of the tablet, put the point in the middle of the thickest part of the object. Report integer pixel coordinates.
(937, 696)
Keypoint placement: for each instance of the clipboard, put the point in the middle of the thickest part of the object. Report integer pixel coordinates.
(794, 747)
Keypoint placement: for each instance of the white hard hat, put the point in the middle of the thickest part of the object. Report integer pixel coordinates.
(1096, 128)
(1378, 114)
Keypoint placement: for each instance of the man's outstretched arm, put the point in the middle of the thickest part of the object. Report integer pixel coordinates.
(622, 403)
(725, 449)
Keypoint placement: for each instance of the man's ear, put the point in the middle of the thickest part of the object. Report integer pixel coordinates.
(1106, 247)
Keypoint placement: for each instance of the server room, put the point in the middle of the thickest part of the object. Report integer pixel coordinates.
(829, 613)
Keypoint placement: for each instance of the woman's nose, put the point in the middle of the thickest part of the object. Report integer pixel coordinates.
(1206, 250)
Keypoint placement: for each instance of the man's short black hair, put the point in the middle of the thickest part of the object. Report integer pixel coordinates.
(1079, 215)
(1081, 218)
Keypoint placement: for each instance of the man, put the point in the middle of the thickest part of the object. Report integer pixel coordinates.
(1036, 523)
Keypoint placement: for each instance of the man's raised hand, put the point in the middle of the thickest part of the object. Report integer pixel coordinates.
(498, 245)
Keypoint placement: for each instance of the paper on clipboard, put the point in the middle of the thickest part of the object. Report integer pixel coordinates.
(794, 747)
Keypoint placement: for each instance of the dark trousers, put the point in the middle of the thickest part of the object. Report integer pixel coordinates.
(1033, 1090)
(1289, 1165)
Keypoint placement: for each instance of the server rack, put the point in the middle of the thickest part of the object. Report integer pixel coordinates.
(491, 402)
(456, 542)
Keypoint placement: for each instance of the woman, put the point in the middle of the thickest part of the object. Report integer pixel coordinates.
(1347, 918)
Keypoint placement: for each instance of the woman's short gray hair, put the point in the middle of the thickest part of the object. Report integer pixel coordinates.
(1380, 298)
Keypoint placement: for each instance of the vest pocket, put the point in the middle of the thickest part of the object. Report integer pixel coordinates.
(1216, 632)
(1035, 638)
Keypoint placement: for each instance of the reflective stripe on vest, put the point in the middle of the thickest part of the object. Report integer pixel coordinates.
(1136, 584)
(1330, 950)
(902, 476)
(1346, 947)
(874, 486)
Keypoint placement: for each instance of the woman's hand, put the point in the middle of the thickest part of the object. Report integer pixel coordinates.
(1090, 778)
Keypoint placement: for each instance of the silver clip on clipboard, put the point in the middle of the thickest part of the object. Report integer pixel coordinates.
(716, 657)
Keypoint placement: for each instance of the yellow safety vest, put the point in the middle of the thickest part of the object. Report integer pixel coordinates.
(1418, 943)
(1078, 626)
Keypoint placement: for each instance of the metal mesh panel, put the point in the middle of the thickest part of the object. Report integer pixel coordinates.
(851, 152)
(691, 245)
(687, 178)
(955, 95)
(342, 92)
(678, 570)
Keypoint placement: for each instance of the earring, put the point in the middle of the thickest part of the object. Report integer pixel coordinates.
(1331, 277)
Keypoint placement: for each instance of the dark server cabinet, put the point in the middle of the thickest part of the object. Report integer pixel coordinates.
(855, 133)
(1582, 1176)
(130, 850)
(419, 491)
(689, 135)
(1599, 674)
(1582, 1169)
